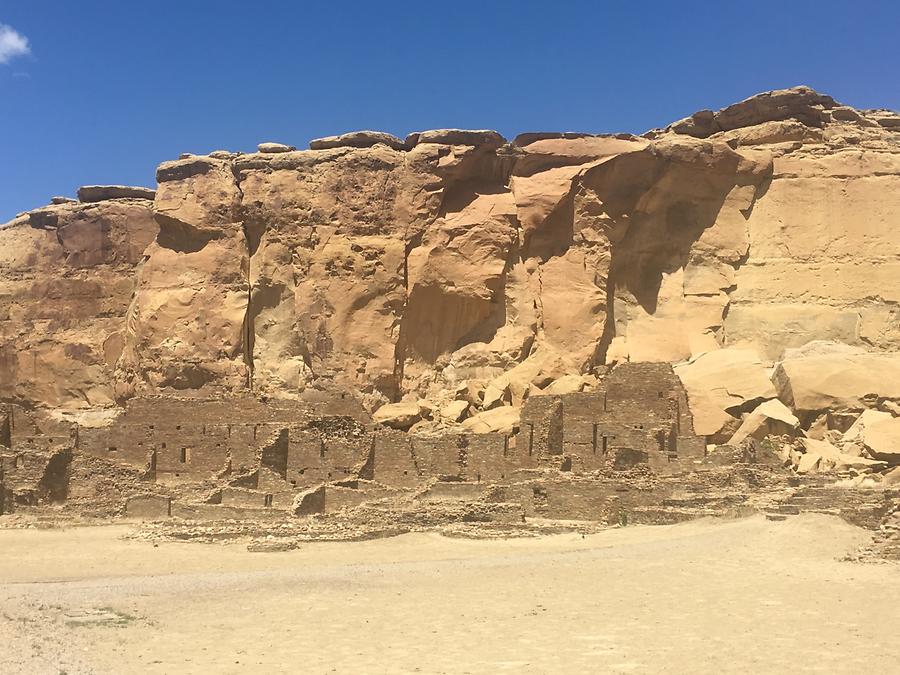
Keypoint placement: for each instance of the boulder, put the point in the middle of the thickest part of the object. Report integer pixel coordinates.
(503, 420)
(481, 137)
(882, 439)
(856, 432)
(63, 200)
(723, 381)
(837, 381)
(567, 384)
(357, 139)
(455, 412)
(891, 478)
(495, 395)
(90, 194)
(400, 415)
(270, 148)
(770, 418)
(822, 456)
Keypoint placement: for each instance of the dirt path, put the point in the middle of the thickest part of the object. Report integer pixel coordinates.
(704, 597)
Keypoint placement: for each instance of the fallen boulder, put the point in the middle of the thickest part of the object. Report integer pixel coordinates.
(504, 420)
(881, 439)
(722, 382)
(822, 456)
(770, 418)
(567, 384)
(455, 412)
(837, 381)
(400, 415)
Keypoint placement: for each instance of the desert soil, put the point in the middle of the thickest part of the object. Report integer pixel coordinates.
(738, 596)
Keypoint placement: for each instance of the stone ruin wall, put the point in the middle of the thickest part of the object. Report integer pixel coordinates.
(269, 450)
(639, 414)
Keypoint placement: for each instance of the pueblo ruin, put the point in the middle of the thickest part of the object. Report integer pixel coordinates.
(462, 331)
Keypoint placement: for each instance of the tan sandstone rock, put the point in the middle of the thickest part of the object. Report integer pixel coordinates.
(398, 415)
(769, 418)
(721, 381)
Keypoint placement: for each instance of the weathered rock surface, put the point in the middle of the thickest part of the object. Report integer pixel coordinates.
(722, 383)
(838, 381)
(67, 277)
(101, 193)
(356, 139)
(768, 418)
(407, 270)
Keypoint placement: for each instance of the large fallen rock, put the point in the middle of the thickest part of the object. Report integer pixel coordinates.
(722, 383)
(822, 457)
(400, 415)
(770, 418)
(838, 381)
(856, 432)
(882, 439)
(567, 384)
(503, 420)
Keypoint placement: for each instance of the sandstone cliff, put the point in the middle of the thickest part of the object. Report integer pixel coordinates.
(459, 265)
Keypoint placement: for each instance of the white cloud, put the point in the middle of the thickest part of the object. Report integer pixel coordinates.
(12, 44)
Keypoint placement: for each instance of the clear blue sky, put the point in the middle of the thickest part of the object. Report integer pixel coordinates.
(109, 89)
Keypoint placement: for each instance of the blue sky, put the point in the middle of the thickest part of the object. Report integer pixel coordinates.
(109, 89)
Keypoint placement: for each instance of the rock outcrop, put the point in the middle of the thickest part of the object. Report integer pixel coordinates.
(462, 269)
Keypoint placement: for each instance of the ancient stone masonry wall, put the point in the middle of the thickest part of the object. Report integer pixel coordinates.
(636, 416)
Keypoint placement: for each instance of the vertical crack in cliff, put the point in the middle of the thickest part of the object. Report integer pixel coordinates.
(249, 329)
(400, 345)
(609, 327)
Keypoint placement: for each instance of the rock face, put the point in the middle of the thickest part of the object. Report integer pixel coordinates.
(67, 276)
(455, 261)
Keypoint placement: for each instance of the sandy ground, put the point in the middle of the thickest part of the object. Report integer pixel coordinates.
(704, 597)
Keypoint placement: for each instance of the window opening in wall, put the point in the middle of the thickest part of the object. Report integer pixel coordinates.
(163, 445)
(660, 395)
(112, 448)
(594, 440)
(185, 455)
(605, 445)
(605, 408)
(177, 427)
(17, 461)
(268, 500)
(530, 439)
(505, 446)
